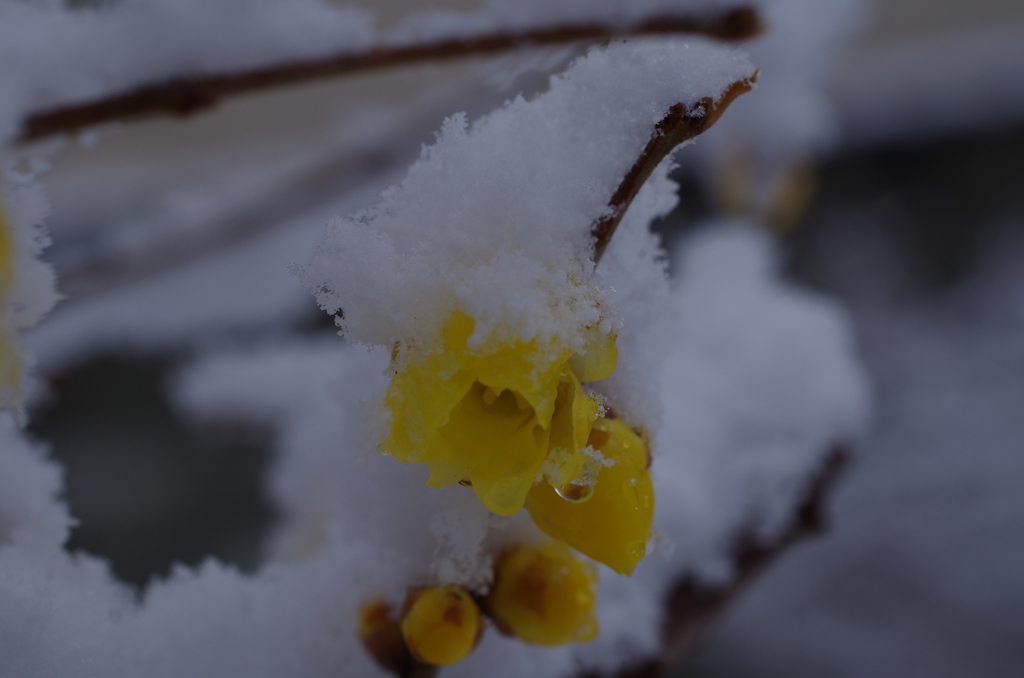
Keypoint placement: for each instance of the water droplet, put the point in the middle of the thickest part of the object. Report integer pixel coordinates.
(575, 493)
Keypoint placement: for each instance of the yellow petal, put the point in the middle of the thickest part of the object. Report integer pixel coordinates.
(614, 525)
(530, 369)
(599, 358)
(421, 399)
(575, 413)
(499, 448)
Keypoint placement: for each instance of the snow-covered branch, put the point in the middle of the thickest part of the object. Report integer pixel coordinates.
(693, 606)
(186, 94)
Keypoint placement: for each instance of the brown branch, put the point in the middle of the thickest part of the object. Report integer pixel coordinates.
(188, 95)
(678, 126)
(692, 607)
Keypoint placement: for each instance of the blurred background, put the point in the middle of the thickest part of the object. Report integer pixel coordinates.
(173, 237)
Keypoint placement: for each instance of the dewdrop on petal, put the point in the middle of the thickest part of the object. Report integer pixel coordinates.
(613, 525)
(544, 595)
(441, 624)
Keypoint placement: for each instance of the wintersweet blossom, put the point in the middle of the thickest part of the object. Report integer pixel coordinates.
(515, 424)
(497, 419)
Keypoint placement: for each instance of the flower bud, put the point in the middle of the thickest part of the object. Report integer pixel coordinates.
(441, 624)
(544, 595)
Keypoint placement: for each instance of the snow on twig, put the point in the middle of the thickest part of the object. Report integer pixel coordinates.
(186, 95)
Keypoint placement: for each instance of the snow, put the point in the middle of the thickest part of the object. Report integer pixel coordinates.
(247, 286)
(518, 267)
(57, 55)
(919, 573)
(791, 118)
(25, 208)
(711, 481)
(749, 412)
(29, 490)
(26, 283)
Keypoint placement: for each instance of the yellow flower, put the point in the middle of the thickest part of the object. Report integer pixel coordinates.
(544, 595)
(612, 524)
(496, 420)
(441, 625)
(514, 424)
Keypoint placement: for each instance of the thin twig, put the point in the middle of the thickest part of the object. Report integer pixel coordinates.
(680, 125)
(188, 95)
(693, 607)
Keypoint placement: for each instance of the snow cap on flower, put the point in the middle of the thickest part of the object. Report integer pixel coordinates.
(496, 316)
(494, 219)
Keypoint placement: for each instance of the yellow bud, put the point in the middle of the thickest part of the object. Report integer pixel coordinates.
(381, 635)
(544, 595)
(441, 625)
